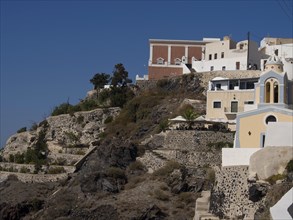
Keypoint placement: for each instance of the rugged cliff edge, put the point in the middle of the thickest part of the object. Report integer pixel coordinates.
(139, 169)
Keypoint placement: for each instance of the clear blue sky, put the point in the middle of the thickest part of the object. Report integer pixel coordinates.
(50, 49)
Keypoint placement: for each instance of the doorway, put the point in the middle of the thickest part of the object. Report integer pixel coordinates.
(234, 106)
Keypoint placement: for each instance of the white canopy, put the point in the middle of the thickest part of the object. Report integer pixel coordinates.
(178, 118)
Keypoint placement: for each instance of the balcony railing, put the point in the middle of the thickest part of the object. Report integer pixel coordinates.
(234, 110)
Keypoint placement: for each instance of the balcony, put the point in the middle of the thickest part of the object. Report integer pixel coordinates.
(233, 110)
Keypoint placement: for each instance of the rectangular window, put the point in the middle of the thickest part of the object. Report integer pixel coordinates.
(212, 68)
(250, 85)
(222, 55)
(218, 86)
(223, 68)
(248, 102)
(217, 104)
(210, 56)
(215, 56)
(237, 65)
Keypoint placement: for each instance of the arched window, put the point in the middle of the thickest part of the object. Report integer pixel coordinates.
(160, 60)
(276, 92)
(183, 59)
(268, 92)
(271, 118)
(177, 61)
(272, 91)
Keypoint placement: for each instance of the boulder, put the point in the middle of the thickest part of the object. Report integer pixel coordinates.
(270, 161)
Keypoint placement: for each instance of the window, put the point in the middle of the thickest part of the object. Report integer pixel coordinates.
(218, 86)
(250, 85)
(277, 52)
(183, 59)
(160, 60)
(248, 102)
(276, 92)
(212, 68)
(271, 118)
(215, 56)
(210, 56)
(177, 61)
(222, 55)
(223, 68)
(217, 104)
(237, 65)
(241, 46)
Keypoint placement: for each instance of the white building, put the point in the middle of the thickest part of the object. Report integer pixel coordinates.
(229, 55)
(283, 48)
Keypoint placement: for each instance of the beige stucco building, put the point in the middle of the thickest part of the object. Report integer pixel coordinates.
(227, 97)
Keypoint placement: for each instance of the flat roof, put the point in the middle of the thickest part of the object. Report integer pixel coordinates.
(233, 79)
(166, 41)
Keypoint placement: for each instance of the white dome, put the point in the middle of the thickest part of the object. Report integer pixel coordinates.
(274, 60)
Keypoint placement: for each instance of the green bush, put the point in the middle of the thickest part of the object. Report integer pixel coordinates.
(21, 130)
(116, 173)
(187, 197)
(210, 175)
(104, 95)
(273, 179)
(134, 181)
(34, 126)
(86, 105)
(108, 119)
(161, 195)
(60, 161)
(163, 125)
(19, 158)
(136, 165)
(80, 152)
(80, 119)
(166, 170)
(289, 166)
(219, 145)
(162, 83)
(63, 108)
(56, 170)
(11, 158)
(24, 170)
(71, 136)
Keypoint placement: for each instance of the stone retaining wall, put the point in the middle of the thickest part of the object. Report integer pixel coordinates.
(193, 140)
(230, 194)
(190, 158)
(30, 168)
(34, 178)
(186, 147)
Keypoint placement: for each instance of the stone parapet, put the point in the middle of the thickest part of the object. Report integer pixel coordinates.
(34, 178)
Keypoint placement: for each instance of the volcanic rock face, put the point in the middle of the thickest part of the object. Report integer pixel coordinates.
(81, 128)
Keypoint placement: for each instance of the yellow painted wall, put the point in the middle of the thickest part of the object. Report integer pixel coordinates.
(226, 97)
(256, 125)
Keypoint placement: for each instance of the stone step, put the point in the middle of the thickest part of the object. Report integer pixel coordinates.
(202, 206)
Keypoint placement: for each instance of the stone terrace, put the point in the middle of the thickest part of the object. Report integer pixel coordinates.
(189, 147)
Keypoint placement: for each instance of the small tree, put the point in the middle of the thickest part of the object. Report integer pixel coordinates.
(100, 79)
(120, 76)
(190, 115)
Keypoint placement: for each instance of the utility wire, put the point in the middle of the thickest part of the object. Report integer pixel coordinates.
(284, 10)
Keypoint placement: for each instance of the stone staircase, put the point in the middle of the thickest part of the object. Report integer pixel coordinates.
(202, 206)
